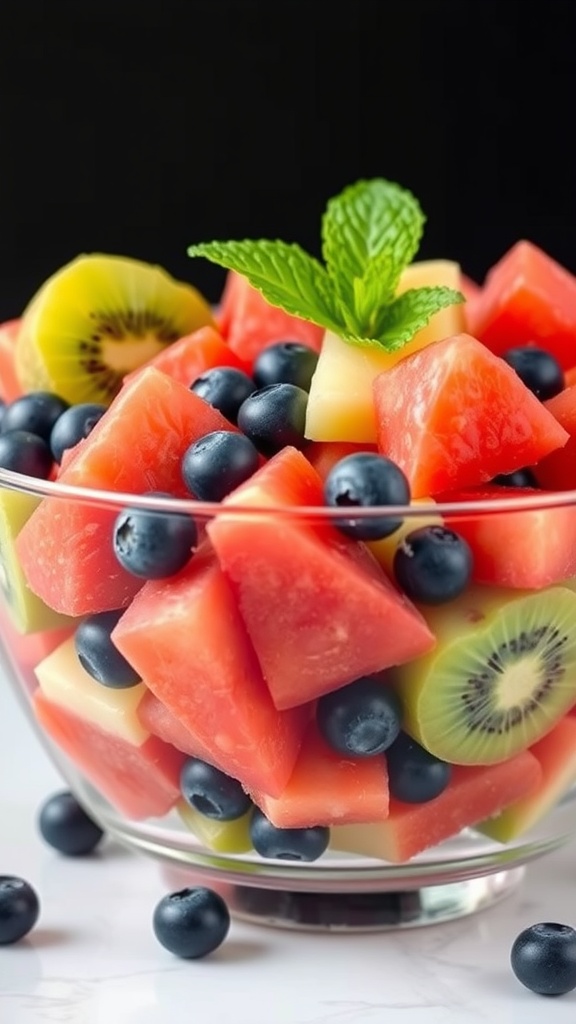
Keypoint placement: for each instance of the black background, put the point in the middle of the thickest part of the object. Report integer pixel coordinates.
(138, 129)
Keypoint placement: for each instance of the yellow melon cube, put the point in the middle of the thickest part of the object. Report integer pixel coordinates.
(340, 405)
(64, 681)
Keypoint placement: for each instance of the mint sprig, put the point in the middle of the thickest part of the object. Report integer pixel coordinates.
(370, 234)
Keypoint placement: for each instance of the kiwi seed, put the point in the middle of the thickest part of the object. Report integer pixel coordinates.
(492, 689)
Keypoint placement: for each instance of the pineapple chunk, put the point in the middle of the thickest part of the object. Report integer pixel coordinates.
(340, 406)
(65, 682)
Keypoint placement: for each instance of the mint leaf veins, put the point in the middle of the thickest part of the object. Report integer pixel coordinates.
(370, 233)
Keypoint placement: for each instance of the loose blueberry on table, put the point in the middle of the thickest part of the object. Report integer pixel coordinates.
(191, 923)
(19, 909)
(66, 826)
(543, 958)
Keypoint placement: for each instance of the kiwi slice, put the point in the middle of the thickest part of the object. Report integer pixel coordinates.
(502, 674)
(27, 612)
(220, 836)
(96, 320)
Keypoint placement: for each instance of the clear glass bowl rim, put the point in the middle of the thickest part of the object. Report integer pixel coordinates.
(539, 501)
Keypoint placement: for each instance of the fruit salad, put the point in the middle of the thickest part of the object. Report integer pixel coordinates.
(300, 571)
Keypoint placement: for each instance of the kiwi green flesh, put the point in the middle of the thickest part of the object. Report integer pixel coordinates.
(499, 686)
(220, 836)
(27, 612)
(92, 366)
(98, 319)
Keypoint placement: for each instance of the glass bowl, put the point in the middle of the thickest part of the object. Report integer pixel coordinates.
(528, 543)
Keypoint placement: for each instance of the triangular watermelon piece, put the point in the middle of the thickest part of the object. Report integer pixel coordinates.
(473, 793)
(140, 781)
(185, 638)
(319, 610)
(154, 716)
(189, 357)
(65, 548)
(10, 387)
(527, 298)
(455, 415)
(527, 549)
(249, 323)
(557, 472)
(327, 788)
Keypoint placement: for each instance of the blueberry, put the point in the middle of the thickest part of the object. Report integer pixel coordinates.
(367, 480)
(23, 452)
(537, 369)
(19, 909)
(211, 792)
(303, 844)
(218, 463)
(519, 478)
(73, 426)
(361, 719)
(36, 412)
(153, 545)
(433, 565)
(414, 775)
(65, 826)
(191, 923)
(275, 416)
(286, 362)
(225, 389)
(98, 654)
(543, 958)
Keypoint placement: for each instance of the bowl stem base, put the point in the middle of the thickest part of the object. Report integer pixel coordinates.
(362, 912)
(357, 912)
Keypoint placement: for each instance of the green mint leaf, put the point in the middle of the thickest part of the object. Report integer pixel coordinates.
(373, 291)
(285, 275)
(370, 234)
(369, 219)
(410, 312)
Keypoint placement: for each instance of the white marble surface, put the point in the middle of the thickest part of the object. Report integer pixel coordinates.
(93, 959)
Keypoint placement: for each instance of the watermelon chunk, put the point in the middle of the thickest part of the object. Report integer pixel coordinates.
(557, 471)
(473, 793)
(189, 357)
(528, 298)
(65, 548)
(556, 755)
(249, 323)
(454, 415)
(319, 610)
(469, 288)
(98, 728)
(154, 716)
(10, 387)
(528, 550)
(185, 638)
(326, 788)
(140, 782)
